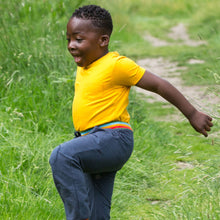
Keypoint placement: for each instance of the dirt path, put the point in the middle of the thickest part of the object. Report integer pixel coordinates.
(197, 95)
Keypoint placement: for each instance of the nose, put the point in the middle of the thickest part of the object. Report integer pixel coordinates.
(71, 46)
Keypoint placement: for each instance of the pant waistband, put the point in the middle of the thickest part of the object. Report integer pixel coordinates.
(110, 125)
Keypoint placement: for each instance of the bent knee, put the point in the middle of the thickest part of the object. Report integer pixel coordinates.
(53, 156)
(61, 157)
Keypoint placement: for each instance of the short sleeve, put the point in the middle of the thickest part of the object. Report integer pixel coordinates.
(127, 72)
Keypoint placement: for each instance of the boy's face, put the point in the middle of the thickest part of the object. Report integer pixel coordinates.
(85, 42)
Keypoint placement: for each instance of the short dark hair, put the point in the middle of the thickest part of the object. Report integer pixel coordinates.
(99, 17)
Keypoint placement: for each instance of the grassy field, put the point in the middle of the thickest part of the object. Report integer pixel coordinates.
(173, 172)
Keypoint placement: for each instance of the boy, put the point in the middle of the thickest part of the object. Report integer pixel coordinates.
(84, 168)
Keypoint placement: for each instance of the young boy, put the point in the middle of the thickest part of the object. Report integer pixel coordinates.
(84, 168)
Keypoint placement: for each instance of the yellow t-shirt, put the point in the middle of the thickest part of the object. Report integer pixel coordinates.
(102, 89)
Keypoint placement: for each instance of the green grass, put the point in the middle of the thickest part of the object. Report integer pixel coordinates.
(36, 91)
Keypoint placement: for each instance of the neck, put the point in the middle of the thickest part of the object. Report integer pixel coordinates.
(101, 55)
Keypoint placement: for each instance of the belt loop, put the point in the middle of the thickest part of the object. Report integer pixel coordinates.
(77, 134)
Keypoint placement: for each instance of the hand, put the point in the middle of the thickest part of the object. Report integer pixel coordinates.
(201, 122)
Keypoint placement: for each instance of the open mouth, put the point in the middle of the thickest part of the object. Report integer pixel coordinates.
(77, 59)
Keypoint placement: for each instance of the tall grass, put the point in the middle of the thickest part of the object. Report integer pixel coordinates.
(36, 91)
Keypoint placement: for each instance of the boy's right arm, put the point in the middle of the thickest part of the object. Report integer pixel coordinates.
(199, 121)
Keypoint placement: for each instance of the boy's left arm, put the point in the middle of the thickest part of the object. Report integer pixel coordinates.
(199, 121)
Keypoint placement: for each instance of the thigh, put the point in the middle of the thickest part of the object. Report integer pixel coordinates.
(103, 150)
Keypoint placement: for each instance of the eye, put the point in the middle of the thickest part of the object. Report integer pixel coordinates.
(79, 40)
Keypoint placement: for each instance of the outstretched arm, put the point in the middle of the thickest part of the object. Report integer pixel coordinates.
(199, 121)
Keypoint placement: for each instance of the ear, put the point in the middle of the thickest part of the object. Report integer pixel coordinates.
(104, 40)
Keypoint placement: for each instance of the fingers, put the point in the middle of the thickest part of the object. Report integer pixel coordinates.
(209, 118)
(202, 123)
(210, 124)
(204, 133)
(207, 127)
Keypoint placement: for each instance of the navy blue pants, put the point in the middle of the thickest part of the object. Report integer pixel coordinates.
(84, 170)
